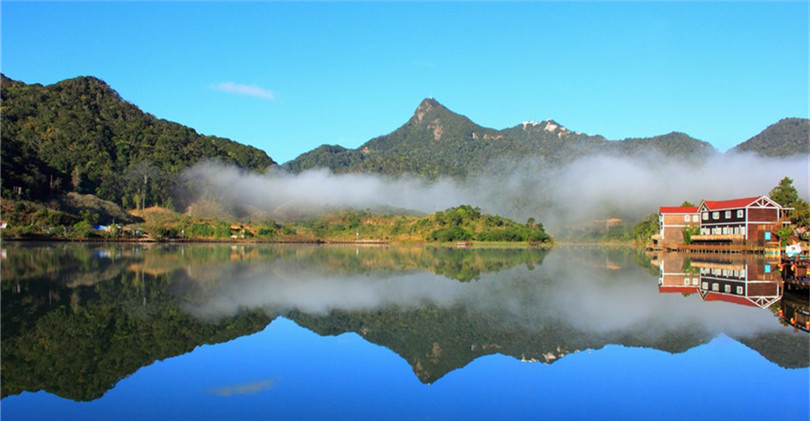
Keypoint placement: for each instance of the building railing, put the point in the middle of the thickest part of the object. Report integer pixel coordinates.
(719, 237)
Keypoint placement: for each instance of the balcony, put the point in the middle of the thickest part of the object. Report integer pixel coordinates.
(719, 237)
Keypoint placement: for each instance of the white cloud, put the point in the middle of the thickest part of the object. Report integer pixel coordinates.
(243, 389)
(240, 89)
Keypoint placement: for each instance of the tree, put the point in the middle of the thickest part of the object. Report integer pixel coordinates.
(688, 232)
(801, 213)
(140, 180)
(644, 230)
(784, 193)
(79, 180)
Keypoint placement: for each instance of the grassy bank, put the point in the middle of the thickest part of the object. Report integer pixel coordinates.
(32, 221)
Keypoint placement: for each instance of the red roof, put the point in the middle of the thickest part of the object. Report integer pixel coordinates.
(730, 204)
(736, 299)
(678, 209)
(683, 289)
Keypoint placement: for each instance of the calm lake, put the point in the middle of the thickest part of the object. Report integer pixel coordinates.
(119, 332)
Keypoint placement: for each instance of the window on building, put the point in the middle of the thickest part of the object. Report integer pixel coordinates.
(715, 215)
(694, 218)
(728, 214)
(740, 213)
(739, 290)
(686, 281)
(767, 268)
(686, 218)
(705, 216)
(695, 281)
(716, 287)
(704, 285)
(767, 236)
(727, 288)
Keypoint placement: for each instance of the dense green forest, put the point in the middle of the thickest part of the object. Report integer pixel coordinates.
(789, 136)
(78, 135)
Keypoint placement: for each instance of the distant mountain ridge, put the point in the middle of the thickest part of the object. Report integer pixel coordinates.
(435, 142)
(789, 136)
(438, 142)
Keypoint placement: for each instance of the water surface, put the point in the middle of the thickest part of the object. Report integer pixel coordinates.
(344, 332)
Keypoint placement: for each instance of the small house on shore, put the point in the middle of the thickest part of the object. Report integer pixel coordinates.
(672, 221)
(745, 222)
(750, 220)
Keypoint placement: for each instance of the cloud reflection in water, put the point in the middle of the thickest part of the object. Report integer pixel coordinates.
(574, 287)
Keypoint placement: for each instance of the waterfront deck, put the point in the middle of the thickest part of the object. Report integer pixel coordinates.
(738, 248)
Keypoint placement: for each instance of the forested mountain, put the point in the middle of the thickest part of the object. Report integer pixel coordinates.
(79, 135)
(438, 142)
(789, 136)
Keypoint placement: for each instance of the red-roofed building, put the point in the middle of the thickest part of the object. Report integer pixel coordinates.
(672, 221)
(752, 220)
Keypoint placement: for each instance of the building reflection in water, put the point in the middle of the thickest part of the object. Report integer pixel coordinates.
(744, 280)
(753, 281)
(747, 282)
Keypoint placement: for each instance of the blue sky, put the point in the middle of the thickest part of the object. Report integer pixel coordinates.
(287, 77)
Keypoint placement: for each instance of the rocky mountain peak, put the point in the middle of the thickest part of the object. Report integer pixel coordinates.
(427, 106)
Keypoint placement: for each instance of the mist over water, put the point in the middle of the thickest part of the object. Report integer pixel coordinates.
(576, 288)
(587, 189)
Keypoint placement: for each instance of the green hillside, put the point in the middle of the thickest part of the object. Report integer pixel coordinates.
(789, 136)
(79, 135)
(437, 142)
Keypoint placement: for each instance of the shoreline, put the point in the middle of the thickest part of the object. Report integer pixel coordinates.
(472, 245)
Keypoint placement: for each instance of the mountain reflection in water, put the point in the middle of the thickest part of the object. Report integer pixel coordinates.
(76, 319)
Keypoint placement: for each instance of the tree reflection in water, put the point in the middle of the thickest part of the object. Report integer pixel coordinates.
(78, 318)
